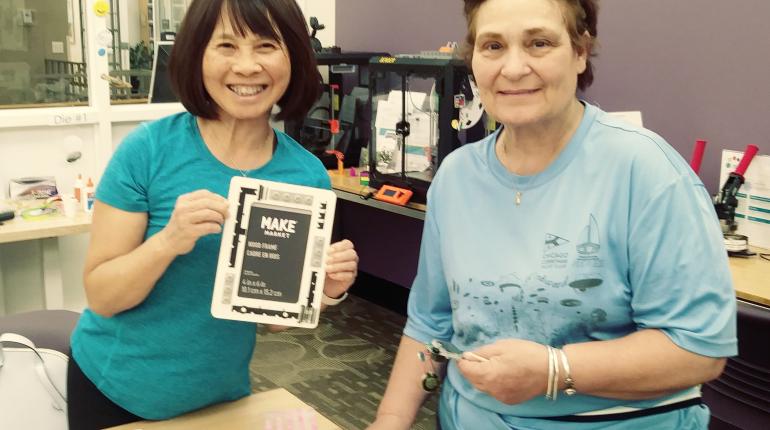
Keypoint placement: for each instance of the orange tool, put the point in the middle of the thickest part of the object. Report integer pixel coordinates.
(395, 195)
(340, 158)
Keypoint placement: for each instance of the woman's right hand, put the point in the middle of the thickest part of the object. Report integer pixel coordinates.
(195, 214)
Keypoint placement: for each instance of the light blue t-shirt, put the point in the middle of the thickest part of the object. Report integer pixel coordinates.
(168, 355)
(616, 235)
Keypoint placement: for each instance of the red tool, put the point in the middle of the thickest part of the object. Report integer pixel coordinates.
(697, 155)
(340, 157)
(334, 124)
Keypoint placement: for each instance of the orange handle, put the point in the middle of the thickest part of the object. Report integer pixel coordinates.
(340, 156)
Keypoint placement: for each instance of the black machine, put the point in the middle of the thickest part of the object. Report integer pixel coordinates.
(726, 202)
(423, 107)
(339, 120)
(338, 123)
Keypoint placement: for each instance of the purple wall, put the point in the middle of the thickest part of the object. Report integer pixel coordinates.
(695, 68)
(398, 26)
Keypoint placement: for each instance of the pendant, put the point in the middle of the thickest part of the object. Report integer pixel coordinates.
(518, 198)
(430, 382)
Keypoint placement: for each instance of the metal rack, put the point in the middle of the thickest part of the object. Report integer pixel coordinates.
(448, 95)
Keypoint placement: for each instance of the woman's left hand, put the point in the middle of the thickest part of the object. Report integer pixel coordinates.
(341, 268)
(517, 370)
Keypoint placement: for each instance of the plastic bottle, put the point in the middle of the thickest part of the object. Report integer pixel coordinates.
(78, 187)
(87, 197)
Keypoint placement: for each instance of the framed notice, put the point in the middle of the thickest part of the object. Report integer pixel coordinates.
(271, 259)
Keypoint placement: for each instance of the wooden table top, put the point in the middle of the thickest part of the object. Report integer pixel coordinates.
(274, 409)
(19, 229)
(751, 277)
(352, 184)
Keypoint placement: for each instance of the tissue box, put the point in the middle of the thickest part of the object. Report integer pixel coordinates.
(41, 187)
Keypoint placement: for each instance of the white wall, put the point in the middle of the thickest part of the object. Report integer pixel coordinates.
(41, 151)
(30, 147)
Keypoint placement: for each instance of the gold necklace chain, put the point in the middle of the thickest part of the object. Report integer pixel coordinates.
(517, 196)
(245, 173)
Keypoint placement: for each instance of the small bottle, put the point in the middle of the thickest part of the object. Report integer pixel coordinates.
(87, 197)
(78, 187)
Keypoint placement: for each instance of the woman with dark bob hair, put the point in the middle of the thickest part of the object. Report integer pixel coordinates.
(575, 258)
(147, 347)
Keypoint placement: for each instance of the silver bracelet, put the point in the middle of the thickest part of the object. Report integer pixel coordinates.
(328, 301)
(550, 373)
(568, 381)
(550, 392)
(556, 374)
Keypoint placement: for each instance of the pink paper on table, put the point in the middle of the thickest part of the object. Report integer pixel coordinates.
(293, 419)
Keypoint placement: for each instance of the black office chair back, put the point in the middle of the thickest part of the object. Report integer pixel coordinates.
(740, 398)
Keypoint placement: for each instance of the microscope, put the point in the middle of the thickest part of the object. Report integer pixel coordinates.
(725, 201)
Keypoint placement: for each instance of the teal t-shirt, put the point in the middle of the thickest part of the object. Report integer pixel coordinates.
(168, 355)
(616, 235)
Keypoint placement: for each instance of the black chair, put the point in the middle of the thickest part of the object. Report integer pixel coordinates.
(740, 397)
(316, 136)
(355, 125)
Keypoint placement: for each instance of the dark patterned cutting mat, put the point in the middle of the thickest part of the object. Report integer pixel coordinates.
(340, 368)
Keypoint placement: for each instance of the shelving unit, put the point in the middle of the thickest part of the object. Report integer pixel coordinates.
(147, 22)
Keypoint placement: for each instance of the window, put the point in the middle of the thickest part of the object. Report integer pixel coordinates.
(170, 14)
(42, 60)
(136, 27)
(132, 27)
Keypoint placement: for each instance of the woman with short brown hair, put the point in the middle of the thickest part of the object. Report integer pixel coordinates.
(576, 258)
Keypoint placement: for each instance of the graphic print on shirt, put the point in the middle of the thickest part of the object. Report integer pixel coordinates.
(588, 267)
(544, 306)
